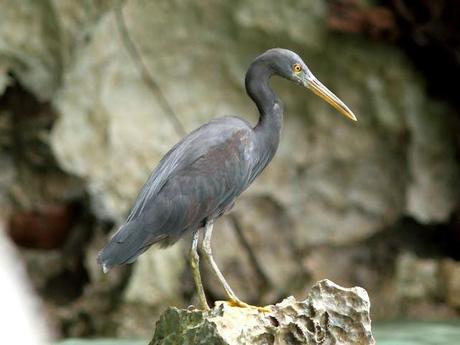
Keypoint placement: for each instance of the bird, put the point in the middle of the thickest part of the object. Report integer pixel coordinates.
(199, 179)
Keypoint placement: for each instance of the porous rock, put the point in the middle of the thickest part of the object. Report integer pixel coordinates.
(330, 315)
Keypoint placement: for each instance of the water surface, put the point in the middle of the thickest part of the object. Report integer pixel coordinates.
(386, 333)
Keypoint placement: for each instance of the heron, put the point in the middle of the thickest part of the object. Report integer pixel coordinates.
(199, 178)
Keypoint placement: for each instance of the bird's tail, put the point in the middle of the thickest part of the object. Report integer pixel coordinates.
(124, 247)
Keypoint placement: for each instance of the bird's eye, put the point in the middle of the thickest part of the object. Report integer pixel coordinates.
(297, 68)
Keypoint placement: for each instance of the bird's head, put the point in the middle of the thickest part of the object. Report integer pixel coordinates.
(289, 65)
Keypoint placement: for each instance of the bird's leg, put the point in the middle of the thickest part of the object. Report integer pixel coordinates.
(195, 264)
(207, 251)
(206, 245)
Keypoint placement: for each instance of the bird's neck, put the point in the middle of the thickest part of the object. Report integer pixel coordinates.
(268, 128)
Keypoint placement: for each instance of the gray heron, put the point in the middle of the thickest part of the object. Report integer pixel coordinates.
(199, 179)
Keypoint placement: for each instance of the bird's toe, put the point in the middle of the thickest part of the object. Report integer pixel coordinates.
(240, 304)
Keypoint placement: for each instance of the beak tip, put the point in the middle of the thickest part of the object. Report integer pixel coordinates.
(350, 115)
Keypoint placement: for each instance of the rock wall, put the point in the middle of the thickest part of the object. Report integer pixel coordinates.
(321, 206)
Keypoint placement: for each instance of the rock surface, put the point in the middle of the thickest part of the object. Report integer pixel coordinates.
(324, 173)
(330, 315)
(331, 181)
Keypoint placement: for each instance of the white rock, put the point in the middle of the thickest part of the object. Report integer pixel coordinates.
(330, 315)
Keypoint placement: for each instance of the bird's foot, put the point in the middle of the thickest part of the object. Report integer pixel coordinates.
(240, 304)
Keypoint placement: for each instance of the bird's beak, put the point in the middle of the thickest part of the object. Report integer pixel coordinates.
(322, 91)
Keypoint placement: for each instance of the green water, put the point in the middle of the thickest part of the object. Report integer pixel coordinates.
(417, 333)
(387, 333)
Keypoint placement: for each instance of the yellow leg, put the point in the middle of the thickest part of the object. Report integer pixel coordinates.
(195, 264)
(234, 301)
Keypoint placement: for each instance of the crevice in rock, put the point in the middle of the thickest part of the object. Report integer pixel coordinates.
(66, 286)
(430, 35)
(28, 123)
(424, 240)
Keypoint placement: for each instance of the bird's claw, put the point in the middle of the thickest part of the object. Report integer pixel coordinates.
(240, 304)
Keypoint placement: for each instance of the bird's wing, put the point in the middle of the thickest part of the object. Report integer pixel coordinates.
(197, 179)
(191, 148)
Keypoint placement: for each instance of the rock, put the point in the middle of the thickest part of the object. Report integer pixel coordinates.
(450, 273)
(261, 219)
(4, 79)
(266, 228)
(331, 182)
(324, 175)
(426, 287)
(35, 55)
(7, 176)
(135, 320)
(418, 279)
(39, 57)
(155, 280)
(433, 191)
(237, 269)
(330, 315)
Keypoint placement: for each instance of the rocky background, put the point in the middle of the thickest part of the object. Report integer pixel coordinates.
(375, 204)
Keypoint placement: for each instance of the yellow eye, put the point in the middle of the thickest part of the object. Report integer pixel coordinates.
(297, 68)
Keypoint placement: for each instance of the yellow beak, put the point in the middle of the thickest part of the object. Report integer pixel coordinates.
(322, 91)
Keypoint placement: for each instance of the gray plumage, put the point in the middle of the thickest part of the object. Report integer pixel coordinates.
(198, 179)
(201, 176)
